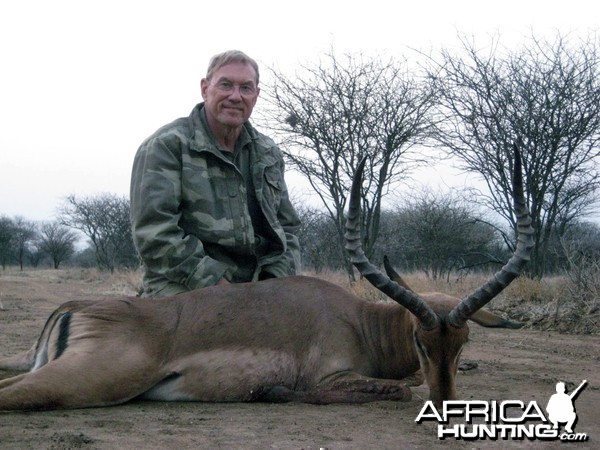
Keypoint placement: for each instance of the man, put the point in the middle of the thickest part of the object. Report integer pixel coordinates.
(560, 407)
(209, 203)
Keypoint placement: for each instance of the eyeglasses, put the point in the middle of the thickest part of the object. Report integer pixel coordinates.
(227, 87)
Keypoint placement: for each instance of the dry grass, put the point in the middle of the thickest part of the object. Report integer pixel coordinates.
(553, 303)
(121, 282)
(556, 303)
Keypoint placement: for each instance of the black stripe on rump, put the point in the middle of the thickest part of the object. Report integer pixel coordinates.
(63, 334)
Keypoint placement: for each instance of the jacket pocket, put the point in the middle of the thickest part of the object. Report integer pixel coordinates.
(273, 186)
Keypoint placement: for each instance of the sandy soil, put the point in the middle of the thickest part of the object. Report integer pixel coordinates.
(511, 365)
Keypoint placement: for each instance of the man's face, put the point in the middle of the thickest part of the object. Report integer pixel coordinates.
(230, 95)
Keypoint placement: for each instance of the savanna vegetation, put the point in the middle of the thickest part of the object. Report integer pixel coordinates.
(466, 104)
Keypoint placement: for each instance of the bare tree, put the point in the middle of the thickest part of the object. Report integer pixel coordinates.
(24, 232)
(104, 218)
(441, 234)
(6, 236)
(57, 241)
(546, 98)
(318, 240)
(580, 248)
(335, 112)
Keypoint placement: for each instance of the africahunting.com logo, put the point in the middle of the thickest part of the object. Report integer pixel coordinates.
(510, 419)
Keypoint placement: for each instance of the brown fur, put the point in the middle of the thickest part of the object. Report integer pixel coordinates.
(443, 345)
(290, 339)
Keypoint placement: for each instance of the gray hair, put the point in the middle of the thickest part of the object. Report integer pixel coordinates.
(228, 57)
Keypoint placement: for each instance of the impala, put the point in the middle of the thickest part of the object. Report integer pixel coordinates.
(287, 339)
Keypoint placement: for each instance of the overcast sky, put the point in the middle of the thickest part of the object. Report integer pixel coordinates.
(82, 83)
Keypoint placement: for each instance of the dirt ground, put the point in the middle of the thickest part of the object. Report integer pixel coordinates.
(510, 365)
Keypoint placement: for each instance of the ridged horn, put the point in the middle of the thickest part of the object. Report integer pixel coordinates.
(469, 305)
(406, 298)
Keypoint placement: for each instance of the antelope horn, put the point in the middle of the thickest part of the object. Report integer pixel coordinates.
(404, 297)
(469, 305)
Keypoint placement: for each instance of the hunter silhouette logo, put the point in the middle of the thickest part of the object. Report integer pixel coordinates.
(560, 407)
(509, 419)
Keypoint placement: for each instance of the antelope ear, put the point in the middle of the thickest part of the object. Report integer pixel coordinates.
(488, 319)
(394, 276)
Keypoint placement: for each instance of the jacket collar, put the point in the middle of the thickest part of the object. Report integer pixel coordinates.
(203, 137)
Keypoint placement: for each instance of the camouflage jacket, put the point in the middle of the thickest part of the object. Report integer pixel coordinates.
(189, 210)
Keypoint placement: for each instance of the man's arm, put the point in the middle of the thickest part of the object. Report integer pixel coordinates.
(155, 213)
